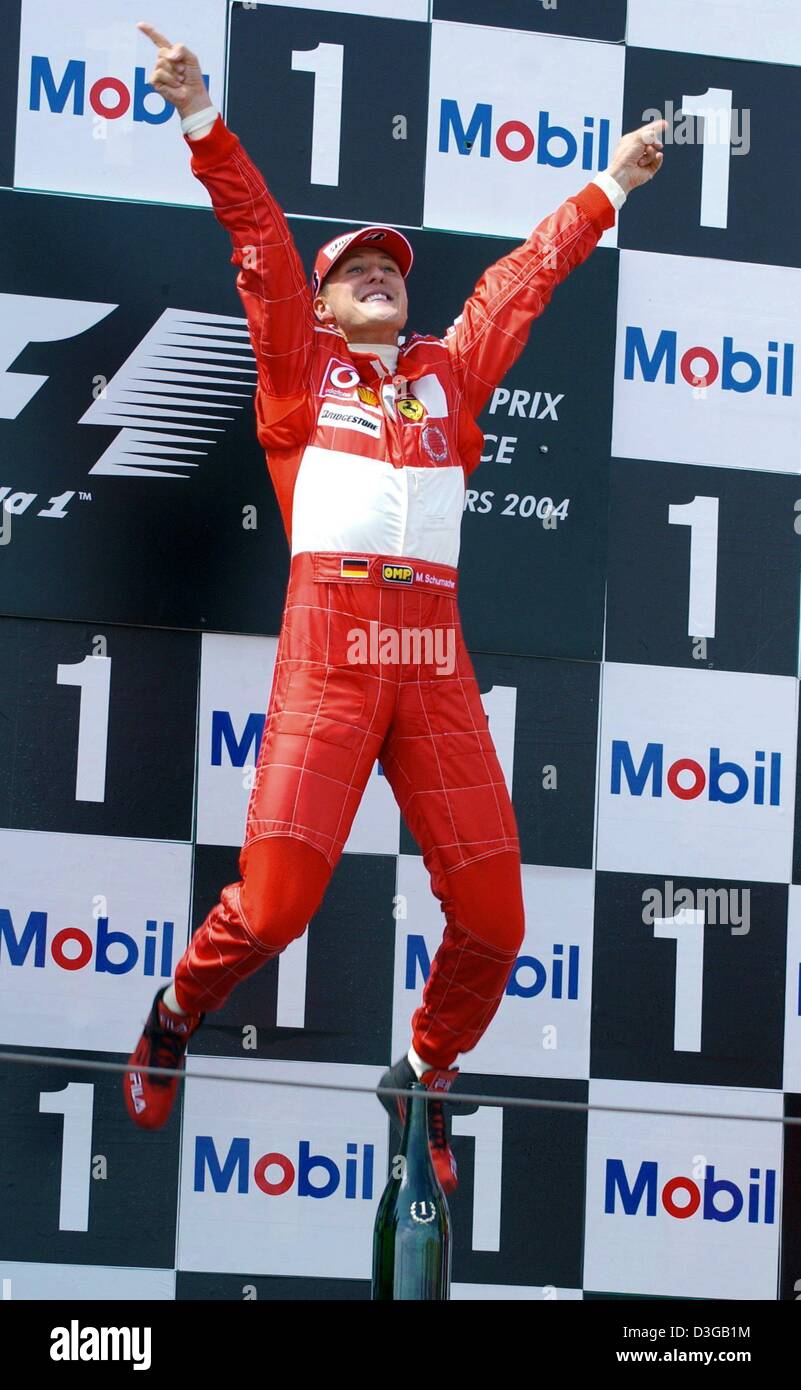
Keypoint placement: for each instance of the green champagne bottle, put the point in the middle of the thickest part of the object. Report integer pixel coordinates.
(412, 1234)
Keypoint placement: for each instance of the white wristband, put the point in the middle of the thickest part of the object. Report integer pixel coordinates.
(198, 118)
(611, 187)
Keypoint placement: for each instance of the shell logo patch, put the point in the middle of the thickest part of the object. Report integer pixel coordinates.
(368, 396)
(410, 408)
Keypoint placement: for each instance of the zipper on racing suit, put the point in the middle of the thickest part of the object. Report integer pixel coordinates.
(394, 424)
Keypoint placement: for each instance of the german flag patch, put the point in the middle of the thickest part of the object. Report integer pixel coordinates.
(351, 568)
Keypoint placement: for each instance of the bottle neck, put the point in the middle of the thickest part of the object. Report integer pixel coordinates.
(414, 1145)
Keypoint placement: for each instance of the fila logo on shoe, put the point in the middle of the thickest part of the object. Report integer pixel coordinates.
(137, 1092)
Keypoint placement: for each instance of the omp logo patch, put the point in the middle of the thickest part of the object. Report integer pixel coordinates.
(397, 574)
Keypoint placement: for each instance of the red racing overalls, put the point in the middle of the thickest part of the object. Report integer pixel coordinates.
(369, 469)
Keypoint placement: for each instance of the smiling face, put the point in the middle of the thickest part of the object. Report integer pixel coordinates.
(365, 296)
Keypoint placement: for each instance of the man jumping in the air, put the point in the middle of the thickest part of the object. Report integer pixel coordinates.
(368, 446)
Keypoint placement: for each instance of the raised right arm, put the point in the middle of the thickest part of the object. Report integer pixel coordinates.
(271, 280)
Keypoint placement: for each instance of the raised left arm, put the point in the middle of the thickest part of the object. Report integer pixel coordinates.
(489, 335)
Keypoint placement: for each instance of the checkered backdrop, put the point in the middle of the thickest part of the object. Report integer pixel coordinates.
(630, 593)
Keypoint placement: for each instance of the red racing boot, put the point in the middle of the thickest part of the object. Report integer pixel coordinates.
(149, 1099)
(401, 1076)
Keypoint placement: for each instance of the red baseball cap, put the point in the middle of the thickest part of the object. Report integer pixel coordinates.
(382, 238)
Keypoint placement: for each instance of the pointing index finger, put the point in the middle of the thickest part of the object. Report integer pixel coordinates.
(158, 39)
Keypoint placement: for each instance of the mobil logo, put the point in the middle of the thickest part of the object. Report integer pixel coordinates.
(641, 1192)
(64, 91)
(532, 976)
(644, 774)
(656, 357)
(233, 1167)
(544, 140)
(72, 948)
(239, 747)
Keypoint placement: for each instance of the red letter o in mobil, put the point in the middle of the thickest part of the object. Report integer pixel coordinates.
(71, 962)
(686, 366)
(515, 128)
(274, 1189)
(111, 84)
(686, 765)
(681, 1185)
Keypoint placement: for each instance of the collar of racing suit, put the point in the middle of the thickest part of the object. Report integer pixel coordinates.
(386, 352)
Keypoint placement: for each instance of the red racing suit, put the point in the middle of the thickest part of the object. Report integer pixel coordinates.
(369, 469)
